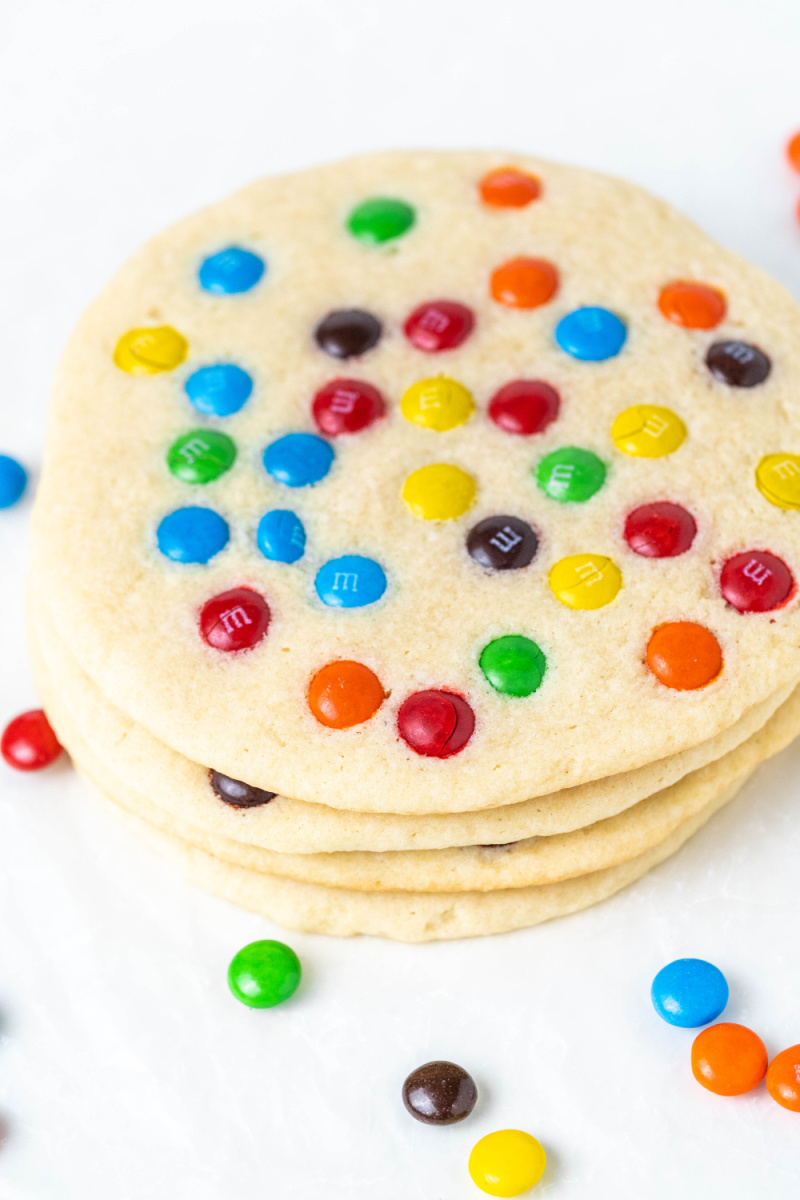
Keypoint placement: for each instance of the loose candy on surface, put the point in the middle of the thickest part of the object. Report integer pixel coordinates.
(689, 992)
(513, 665)
(345, 693)
(783, 1079)
(585, 581)
(13, 481)
(756, 581)
(507, 1163)
(351, 581)
(231, 271)
(524, 283)
(738, 364)
(347, 406)
(440, 492)
(29, 743)
(439, 325)
(235, 620)
(648, 431)
(201, 455)
(298, 459)
(264, 974)
(729, 1059)
(502, 543)
(150, 351)
(591, 334)
(793, 151)
(508, 187)
(236, 793)
(438, 404)
(571, 475)
(524, 406)
(684, 656)
(692, 305)
(380, 219)
(436, 724)
(439, 1093)
(192, 535)
(219, 390)
(281, 536)
(660, 530)
(348, 333)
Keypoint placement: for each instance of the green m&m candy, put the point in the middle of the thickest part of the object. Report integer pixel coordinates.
(380, 219)
(513, 664)
(264, 974)
(571, 474)
(201, 455)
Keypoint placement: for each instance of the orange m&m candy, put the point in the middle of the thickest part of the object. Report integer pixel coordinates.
(692, 305)
(344, 693)
(684, 656)
(729, 1059)
(793, 151)
(509, 188)
(783, 1079)
(524, 282)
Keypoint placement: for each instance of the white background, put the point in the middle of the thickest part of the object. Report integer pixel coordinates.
(126, 1069)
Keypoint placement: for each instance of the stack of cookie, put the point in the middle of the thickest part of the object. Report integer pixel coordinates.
(416, 546)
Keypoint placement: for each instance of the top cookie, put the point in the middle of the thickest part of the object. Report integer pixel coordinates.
(429, 482)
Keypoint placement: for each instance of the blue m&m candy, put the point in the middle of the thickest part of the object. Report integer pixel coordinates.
(350, 582)
(230, 271)
(298, 459)
(13, 481)
(281, 536)
(219, 390)
(689, 992)
(591, 334)
(192, 535)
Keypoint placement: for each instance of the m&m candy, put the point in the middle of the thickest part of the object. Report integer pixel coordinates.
(571, 475)
(660, 530)
(524, 406)
(281, 536)
(591, 334)
(150, 351)
(778, 479)
(524, 283)
(380, 219)
(507, 1163)
(192, 535)
(13, 481)
(689, 992)
(502, 543)
(264, 974)
(440, 492)
(234, 620)
(436, 724)
(439, 404)
(219, 390)
(729, 1059)
(439, 325)
(351, 581)
(648, 431)
(298, 459)
(513, 665)
(756, 581)
(231, 271)
(739, 364)
(28, 742)
(348, 333)
(585, 580)
(439, 1093)
(236, 793)
(344, 693)
(793, 151)
(692, 305)
(783, 1079)
(201, 455)
(684, 655)
(508, 187)
(347, 406)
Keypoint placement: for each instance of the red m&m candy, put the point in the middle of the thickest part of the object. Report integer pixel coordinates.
(435, 724)
(234, 620)
(524, 406)
(439, 325)
(347, 406)
(28, 742)
(756, 581)
(660, 530)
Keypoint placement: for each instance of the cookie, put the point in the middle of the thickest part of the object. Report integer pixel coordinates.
(370, 488)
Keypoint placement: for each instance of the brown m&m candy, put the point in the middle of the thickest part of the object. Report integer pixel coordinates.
(439, 1093)
(236, 793)
(348, 333)
(502, 543)
(739, 364)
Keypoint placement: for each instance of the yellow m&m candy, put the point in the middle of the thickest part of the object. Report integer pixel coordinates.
(150, 351)
(440, 492)
(647, 431)
(585, 580)
(507, 1163)
(438, 404)
(778, 479)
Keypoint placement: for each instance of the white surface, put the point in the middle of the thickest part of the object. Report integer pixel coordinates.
(126, 1069)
